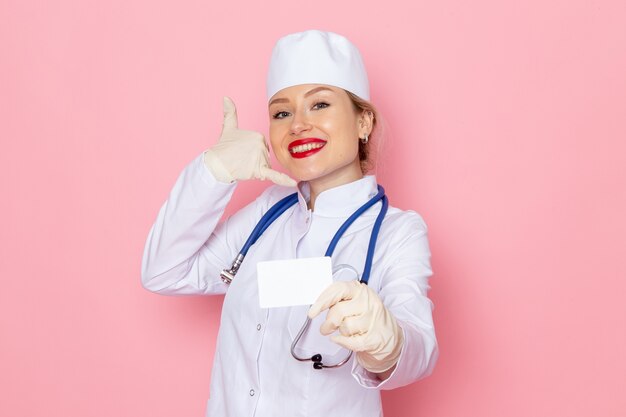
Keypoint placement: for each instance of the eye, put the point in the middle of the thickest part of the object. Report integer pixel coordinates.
(280, 115)
(320, 105)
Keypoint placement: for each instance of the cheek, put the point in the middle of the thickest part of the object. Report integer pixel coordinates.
(274, 138)
(349, 136)
(342, 123)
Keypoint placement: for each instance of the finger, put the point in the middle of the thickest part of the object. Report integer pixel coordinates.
(355, 325)
(337, 315)
(335, 292)
(354, 343)
(277, 177)
(230, 114)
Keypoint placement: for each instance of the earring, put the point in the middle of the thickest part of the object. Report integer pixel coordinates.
(365, 139)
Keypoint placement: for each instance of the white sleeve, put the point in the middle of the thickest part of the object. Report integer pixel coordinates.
(404, 288)
(186, 248)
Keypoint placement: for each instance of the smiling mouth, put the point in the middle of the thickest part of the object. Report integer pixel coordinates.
(302, 148)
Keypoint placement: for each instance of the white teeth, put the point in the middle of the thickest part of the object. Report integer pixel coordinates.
(305, 147)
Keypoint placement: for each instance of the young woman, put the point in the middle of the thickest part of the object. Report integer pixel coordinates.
(320, 127)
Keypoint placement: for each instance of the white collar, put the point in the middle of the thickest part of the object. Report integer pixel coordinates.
(340, 201)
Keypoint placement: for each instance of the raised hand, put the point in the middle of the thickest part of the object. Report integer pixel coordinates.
(241, 154)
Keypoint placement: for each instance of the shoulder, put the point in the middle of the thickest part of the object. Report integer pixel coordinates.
(403, 236)
(404, 250)
(404, 223)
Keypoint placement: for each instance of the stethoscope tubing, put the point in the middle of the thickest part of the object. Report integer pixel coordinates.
(281, 206)
(268, 218)
(276, 211)
(317, 358)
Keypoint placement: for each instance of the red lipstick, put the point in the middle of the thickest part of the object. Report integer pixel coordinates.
(302, 148)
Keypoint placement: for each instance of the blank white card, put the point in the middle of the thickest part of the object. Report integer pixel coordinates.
(293, 282)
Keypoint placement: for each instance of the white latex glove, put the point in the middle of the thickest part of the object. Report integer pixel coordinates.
(365, 324)
(241, 154)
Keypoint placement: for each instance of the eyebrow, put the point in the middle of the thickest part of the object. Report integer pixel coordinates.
(308, 93)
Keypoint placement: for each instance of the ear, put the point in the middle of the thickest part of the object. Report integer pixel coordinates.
(366, 122)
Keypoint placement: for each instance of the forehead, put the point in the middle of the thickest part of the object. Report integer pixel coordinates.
(302, 91)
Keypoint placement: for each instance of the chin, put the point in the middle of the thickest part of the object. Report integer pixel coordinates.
(300, 176)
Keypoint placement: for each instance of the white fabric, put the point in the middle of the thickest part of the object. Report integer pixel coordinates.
(364, 323)
(253, 372)
(316, 57)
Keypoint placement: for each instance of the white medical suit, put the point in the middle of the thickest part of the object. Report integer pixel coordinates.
(254, 373)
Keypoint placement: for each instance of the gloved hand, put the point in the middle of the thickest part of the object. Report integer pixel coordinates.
(241, 154)
(365, 324)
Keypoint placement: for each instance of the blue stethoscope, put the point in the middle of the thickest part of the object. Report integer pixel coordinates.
(279, 208)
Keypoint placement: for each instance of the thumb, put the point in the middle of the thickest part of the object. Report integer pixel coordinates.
(334, 293)
(277, 177)
(230, 114)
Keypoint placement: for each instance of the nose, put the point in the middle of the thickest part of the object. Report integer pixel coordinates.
(299, 124)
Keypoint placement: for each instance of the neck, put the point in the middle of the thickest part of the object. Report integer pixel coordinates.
(319, 185)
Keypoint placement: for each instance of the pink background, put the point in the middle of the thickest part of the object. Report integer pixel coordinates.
(506, 130)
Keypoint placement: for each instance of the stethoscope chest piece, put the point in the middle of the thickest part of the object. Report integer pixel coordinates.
(228, 275)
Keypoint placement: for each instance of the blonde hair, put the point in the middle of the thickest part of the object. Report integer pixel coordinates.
(365, 149)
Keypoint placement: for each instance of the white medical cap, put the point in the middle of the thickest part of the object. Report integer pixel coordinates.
(316, 57)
